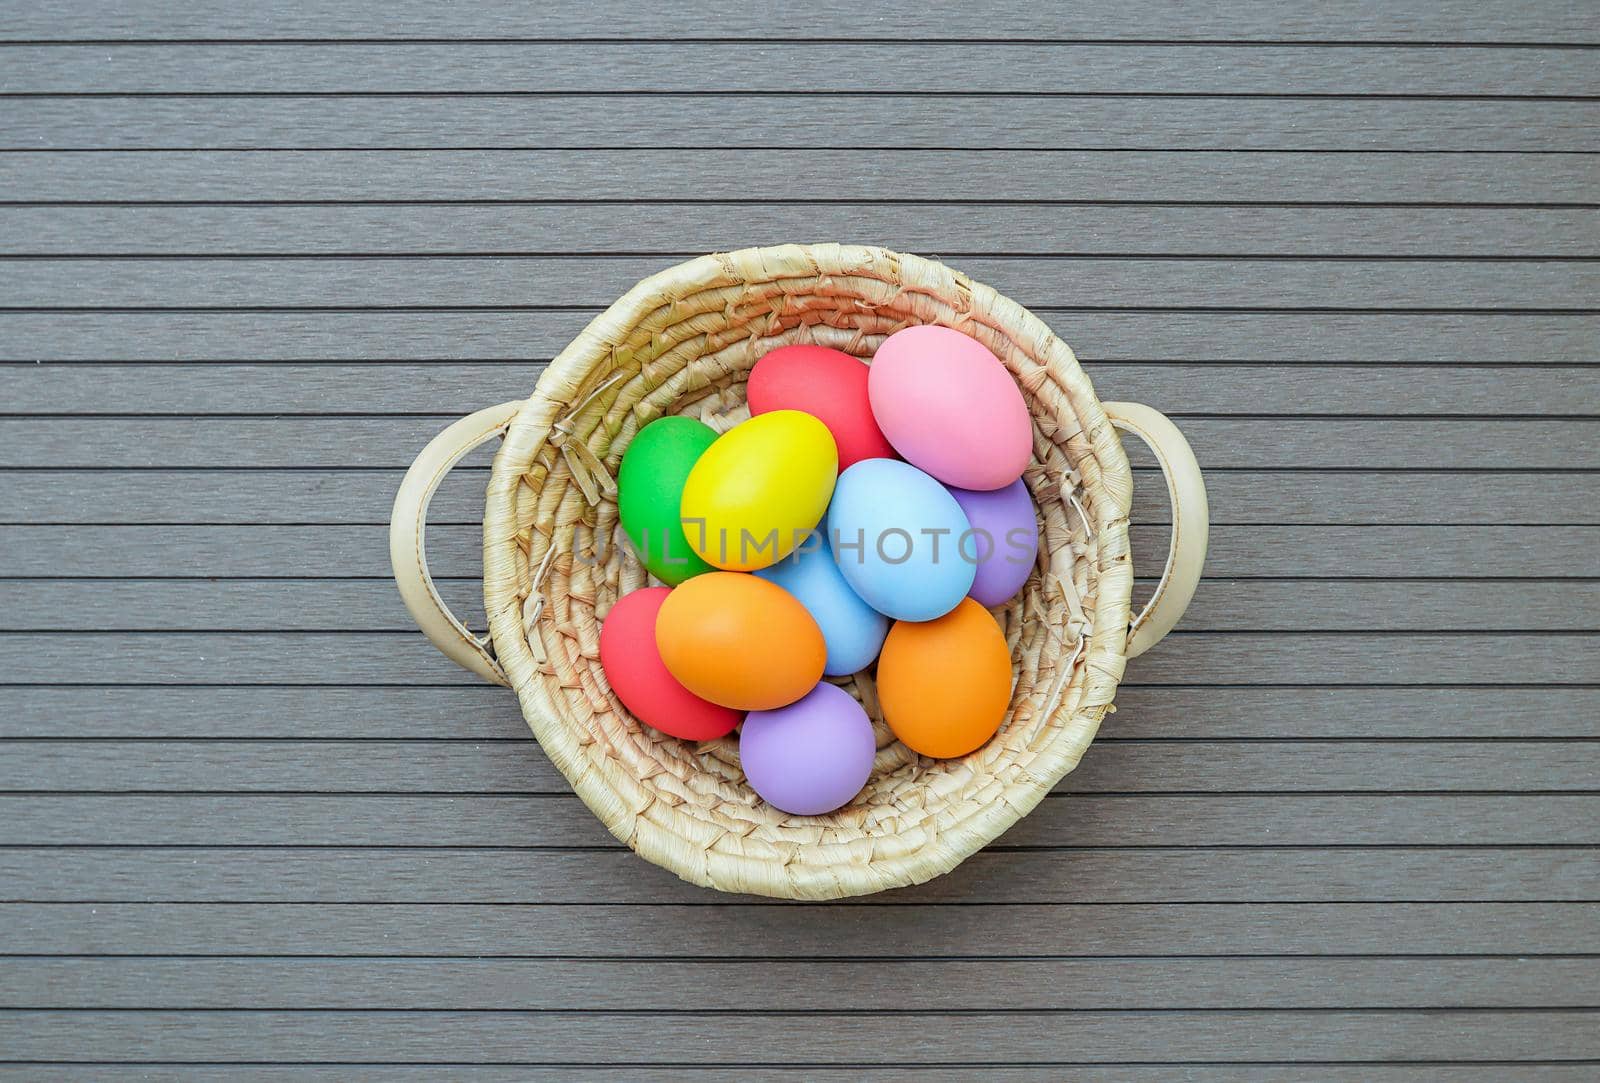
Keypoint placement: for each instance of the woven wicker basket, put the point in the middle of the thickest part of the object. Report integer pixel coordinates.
(682, 341)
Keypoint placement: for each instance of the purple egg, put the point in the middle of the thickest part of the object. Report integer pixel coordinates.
(1004, 540)
(810, 757)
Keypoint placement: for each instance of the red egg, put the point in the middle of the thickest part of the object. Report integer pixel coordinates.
(829, 385)
(640, 679)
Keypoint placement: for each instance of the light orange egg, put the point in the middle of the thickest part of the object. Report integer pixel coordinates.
(740, 641)
(944, 684)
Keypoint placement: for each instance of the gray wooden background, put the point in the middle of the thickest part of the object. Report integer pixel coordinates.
(252, 256)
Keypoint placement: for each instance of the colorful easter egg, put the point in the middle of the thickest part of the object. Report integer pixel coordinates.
(634, 668)
(852, 629)
(650, 489)
(1004, 540)
(828, 384)
(895, 534)
(739, 641)
(810, 757)
(756, 493)
(950, 407)
(944, 685)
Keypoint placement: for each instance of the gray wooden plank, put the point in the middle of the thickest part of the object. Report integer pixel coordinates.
(872, 927)
(1252, 177)
(1380, 819)
(1282, 497)
(1253, 442)
(373, 605)
(1165, 1072)
(456, 552)
(500, 281)
(410, 876)
(1506, 764)
(1562, 22)
(1200, 387)
(831, 1038)
(1351, 658)
(833, 121)
(787, 67)
(1388, 444)
(484, 712)
(794, 985)
(1369, 338)
(685, 229)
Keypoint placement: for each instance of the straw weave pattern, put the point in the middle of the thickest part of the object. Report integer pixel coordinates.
(683, 342)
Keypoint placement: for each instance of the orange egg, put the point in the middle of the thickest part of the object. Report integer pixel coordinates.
(944, 684)
(740, 641)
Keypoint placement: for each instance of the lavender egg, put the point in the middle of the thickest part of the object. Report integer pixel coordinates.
(810, 757)
(1004, 541)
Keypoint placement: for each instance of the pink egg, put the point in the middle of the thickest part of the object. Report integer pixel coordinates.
(950, 407)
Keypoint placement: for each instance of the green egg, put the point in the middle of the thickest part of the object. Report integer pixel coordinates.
(650, 488)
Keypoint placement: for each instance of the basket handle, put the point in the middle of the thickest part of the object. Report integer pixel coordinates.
(1191, 521)
(409, 522)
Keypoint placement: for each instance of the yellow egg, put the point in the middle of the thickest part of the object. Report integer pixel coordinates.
(759, 490)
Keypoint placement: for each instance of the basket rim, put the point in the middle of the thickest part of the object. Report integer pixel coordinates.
(521, 650)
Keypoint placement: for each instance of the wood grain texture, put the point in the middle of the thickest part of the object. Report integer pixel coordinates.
(1165, 1072)
(866, 929)
(1563, 22)
(1198, 176)
(329, 875)
(611, 1039)
(799, 985)
(680, 230)
(794, 68)
(871, 122)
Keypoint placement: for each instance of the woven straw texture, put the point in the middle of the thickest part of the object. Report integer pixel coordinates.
(682, 342)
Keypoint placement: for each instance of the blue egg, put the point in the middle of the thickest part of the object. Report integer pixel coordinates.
(896, 536)
(852, 629)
